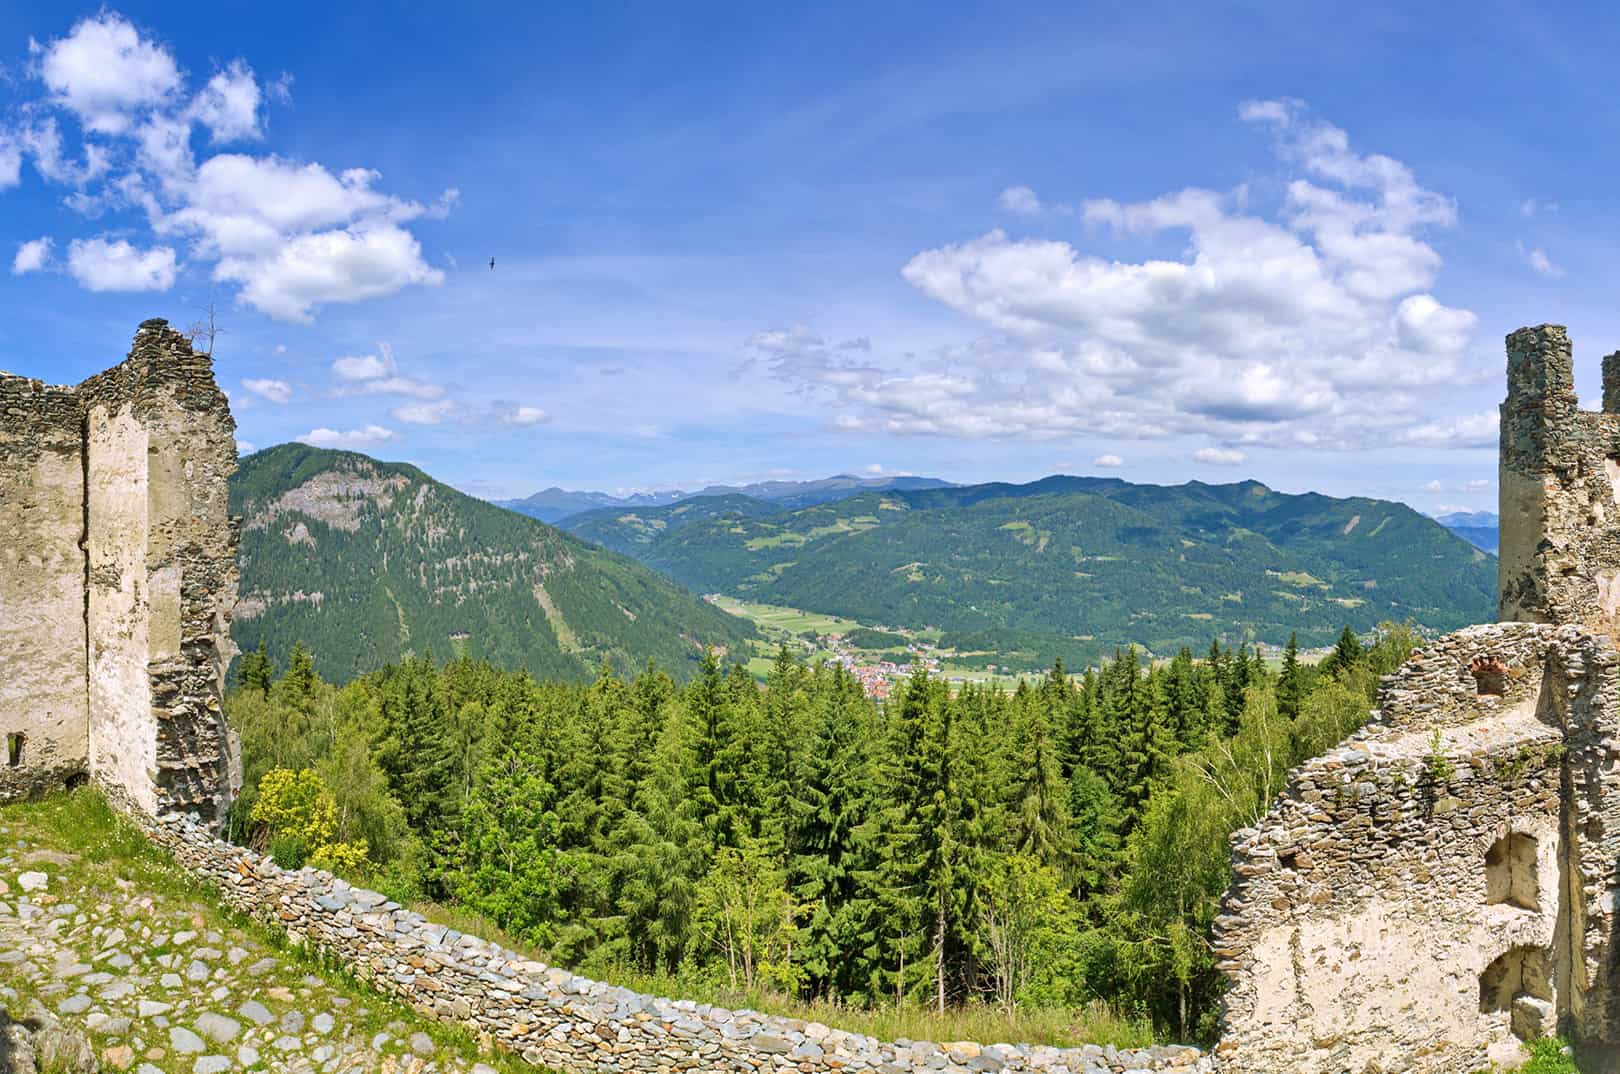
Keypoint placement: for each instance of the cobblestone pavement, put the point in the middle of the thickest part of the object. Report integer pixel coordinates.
(161, 982)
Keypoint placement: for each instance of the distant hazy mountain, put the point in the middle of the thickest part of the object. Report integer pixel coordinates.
(1090, 562)
(363, 561)
(556, 504)
(1478, 528)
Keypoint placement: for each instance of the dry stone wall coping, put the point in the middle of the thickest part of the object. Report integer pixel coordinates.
(554, 1018)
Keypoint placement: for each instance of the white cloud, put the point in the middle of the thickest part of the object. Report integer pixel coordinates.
(291, 235)
(104, 71)
(1478, 484)
(100, 265)
(1215, 456)
(229, 105)
(1021, 200)
(330, 266)
(1471, 431)
(411, 386)
(32, 256)
(424, 413)
(518, 414)
(10, 162)
(277, 391)
(1309, 323)
(1535, 207)
(1434, 488)
(350, 439)
(1108, 462)
(365, 366)
(1538, 260)
(245, 447)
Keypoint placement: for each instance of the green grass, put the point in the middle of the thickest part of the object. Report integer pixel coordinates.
(109, 848)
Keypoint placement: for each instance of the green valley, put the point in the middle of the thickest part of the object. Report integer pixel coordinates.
(1072, 567)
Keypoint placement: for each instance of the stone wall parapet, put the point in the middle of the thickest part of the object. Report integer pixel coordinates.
(555, 1018)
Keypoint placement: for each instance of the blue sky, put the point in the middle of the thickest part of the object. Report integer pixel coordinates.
(750, 241)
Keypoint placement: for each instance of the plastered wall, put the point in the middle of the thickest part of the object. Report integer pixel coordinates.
(118, 597)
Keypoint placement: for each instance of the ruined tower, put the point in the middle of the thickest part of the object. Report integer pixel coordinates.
(1560, 489)
(1443, 887)
(117, 577)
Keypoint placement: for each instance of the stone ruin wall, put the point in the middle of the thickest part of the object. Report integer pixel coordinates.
(42, 589)
(117, 576)
(1424, 905)
(555, 1019)
(1560, 489)
(1444, 884)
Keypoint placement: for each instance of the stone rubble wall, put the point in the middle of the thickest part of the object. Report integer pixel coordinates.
(1559, 470)
(551, 1017)
(1376, 903)
(117, 597)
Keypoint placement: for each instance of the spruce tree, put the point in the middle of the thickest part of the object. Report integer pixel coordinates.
(1291, 682)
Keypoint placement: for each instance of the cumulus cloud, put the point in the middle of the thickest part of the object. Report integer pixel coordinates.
(1310, 322)
(291, 235)
(1434, 488)
(102, 265)
(245, 447)
(276, 391)
(518, 414)
(348, 439)
(104, 71)
(32, 256)
(365, 366)
(1108, 462)
(1021, 200)
(1215, 456)
(378, 374)
(424, 413)
(1538, 260)
(229, 105)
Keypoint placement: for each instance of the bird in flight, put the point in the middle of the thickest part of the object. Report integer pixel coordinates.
(492, 264)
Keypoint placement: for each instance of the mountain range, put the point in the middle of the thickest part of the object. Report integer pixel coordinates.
(364, 561)
(556, 504)
(1071, 564)
(1478, 528)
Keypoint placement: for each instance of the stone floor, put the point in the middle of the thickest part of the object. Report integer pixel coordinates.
(162, 982)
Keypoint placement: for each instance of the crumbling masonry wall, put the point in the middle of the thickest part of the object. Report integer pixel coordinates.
(1422, 897)
(1559, 471)
(1443, 886)
(117, 576)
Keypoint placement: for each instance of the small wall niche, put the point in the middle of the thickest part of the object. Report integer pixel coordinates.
(1519, 971)
(1510, 872)
(1490, 676)
(14, 749)
(1519, 983)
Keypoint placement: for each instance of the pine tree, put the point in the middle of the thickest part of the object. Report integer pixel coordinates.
(1347, 654)
(256, 671)
(827, 808)
(1291, 682)
(1041, 815)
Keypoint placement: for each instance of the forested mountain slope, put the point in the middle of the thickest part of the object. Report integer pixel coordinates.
(556, 504)
(364, 561)
(1095, 560)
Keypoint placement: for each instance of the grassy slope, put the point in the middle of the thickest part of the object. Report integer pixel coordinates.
(435, 569)
(1098, 559)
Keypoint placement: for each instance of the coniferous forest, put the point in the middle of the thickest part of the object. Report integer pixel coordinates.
(1059, 846)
